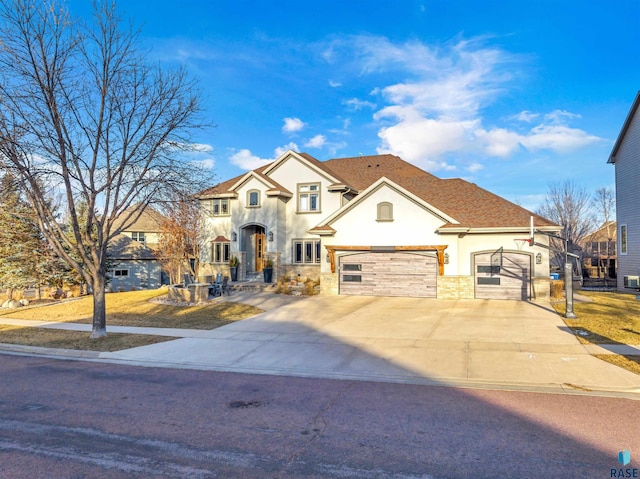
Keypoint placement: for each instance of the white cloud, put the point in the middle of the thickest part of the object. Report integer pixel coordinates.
(248, 161)
(284, 148)
(525, 116)
(475, 167)
(334, 84)
(291, 125)
(438, 110)
(317, 141)
(357, 104)
(206, 164)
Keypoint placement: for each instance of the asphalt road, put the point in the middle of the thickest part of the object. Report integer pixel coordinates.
(68, 419)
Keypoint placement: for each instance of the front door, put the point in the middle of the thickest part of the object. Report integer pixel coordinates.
(260, 251)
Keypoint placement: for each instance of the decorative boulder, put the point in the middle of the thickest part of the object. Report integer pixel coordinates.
(11, 304)
(24, 302)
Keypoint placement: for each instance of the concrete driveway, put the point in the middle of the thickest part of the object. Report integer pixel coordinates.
(489, 343)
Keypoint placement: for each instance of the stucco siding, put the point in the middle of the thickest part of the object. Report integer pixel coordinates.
(627, 172)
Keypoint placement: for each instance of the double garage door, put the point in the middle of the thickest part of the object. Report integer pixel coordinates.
(501, 275)
(388, 274)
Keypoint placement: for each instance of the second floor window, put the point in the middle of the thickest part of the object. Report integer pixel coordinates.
(220, 207)
(253, 198)
(138, 236)
(309, 197)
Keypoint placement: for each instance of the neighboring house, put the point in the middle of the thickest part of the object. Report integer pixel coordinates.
(599, 259)
(134, 266)
(625, 157)
(145, 229)
(375, 225)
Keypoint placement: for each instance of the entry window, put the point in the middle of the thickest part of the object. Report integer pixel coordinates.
(385, 211)
(492, 281)
(220, 207)
(253, 199)
(220, 252)
(138, 236)
(623, 239)
(306, 251)
(309, 198)
(120, 273)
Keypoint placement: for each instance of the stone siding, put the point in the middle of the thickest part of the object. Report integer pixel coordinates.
(455, 287)
(329, 284)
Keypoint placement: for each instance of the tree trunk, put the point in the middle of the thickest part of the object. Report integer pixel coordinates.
(99, 308)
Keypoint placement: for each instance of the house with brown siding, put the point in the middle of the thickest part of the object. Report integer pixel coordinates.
(374, 225)
(625, 157)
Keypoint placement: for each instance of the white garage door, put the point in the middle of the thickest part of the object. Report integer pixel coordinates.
(501, 275)
(388, 274)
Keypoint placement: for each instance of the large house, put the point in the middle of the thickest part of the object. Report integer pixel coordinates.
(374, 225)
(599, 247)
(625, 157)
(133, 252)
(134, 266)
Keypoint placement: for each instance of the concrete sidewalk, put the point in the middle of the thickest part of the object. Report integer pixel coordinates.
(468, 343)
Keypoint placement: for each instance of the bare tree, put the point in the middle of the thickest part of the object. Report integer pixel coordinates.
(83, 113)
(604, 203)
(180, 237)
(568, 205)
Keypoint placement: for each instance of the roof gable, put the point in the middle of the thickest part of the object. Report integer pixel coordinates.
(625, 127)
(383, 182)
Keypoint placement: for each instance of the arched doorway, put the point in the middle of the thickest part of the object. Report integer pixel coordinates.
(253, 243)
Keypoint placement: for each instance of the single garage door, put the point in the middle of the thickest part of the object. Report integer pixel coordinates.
(388, 274)
(501, 275)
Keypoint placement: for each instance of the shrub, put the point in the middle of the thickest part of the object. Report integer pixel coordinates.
(557, 287)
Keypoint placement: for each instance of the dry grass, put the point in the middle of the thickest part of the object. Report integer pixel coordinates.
(57, 338)
(135, 309)
(611, 318)
(630, 363)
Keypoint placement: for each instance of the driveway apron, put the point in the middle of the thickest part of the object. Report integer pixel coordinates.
(487, 343)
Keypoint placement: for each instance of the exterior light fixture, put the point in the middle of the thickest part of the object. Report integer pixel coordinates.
(539, 258)
(270, 235)
(446, 258)
(234, 236)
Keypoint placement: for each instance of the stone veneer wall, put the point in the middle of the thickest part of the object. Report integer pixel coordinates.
(329, 283)
(299, 271)
(455, 287)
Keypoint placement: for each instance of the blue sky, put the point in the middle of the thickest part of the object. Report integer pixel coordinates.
(510, 95)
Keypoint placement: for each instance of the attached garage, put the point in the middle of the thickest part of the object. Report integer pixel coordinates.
(388, 274)
(502, 275)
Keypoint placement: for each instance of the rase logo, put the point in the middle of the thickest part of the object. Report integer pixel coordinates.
(624, 458)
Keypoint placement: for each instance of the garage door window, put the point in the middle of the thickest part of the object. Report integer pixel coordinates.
(352, 267)
(493, 281)
(489, 269)
(352, 278)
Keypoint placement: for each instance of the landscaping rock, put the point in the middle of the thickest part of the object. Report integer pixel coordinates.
(11, 304)
(24, 302)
